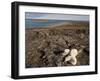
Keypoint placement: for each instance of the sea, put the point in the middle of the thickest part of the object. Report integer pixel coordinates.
(30, 23)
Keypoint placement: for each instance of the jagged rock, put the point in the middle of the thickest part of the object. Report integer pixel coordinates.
(44, 47)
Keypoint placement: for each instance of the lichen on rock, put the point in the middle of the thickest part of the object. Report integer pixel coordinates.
(45, 47)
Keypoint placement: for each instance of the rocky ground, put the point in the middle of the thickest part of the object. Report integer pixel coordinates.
(44, 47)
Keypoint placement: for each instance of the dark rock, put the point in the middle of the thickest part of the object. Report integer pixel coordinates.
(44, 47)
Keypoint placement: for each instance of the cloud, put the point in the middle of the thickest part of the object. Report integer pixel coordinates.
(73, 17)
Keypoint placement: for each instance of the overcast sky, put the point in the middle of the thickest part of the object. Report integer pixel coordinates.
(32, 15)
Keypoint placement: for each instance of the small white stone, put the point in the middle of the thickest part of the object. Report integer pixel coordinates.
(68, 58)
(66, 51)
(73, 61)
(74, 52)
(72, 56)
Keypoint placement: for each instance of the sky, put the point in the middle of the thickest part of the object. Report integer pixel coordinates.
(73, 17)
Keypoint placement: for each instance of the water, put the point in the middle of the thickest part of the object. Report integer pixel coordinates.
(29, 23)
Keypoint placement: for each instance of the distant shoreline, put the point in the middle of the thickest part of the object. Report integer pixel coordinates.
(30, 23)
(64, 26)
